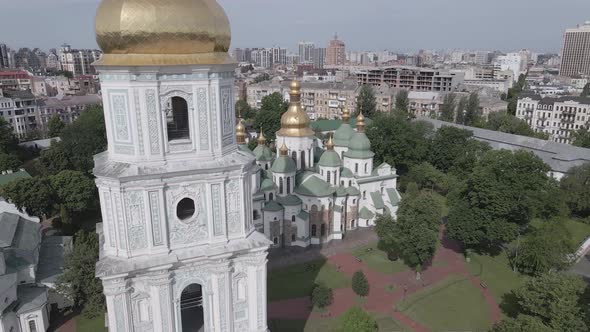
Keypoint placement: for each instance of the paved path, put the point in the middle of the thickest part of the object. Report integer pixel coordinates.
(446, 262)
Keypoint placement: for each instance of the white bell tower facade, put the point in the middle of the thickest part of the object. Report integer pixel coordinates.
(179, 251)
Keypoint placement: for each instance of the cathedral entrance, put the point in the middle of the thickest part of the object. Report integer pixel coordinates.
(191, 309)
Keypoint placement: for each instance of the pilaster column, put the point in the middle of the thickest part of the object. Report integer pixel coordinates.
(221, 296)
(116, 291)
(160, 284)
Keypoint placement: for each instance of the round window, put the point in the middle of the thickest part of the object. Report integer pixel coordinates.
(185, 209)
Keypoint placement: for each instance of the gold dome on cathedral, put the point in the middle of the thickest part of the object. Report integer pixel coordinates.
(295, 122)
(162, 32)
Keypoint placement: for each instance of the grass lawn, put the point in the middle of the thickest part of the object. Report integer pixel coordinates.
(454, 304)
(377, 260)
(496, 273)
(90, 325)
(298, 280)
(386, 324)
(579, 230)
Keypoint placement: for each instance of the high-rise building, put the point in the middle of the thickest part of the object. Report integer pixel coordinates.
(306, 52)
(575, 58)
(279, 56)
(239, 55)
(514, 62)
(336, 52)
(4, 56)
(318, 57)
(79, 62)
(179, 248)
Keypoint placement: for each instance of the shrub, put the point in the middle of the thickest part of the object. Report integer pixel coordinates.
(357, 320)
(321, 296)
(360, 285)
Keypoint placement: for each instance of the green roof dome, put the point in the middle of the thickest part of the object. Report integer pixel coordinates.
(343, 134)
(330, 158)
(359, 142)
(263, 153)
(283, 165)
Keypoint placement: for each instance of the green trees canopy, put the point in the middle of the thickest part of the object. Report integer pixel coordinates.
(321, 296)
(427, 176)
(78, 282)
(244, 110)
(522, 323)
(576, 188)
(269, 116)
(33, 194)
(402, 103)
(55, 126)
(360, 284)
(75, 191)
(586, 91)
(473, 114)
(356, 319)
(508, 123)
(454, 150)
(366, 101)
(447, 112)
(9, 162)
(581, 138)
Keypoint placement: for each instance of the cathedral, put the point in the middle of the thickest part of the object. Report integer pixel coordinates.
(307, 192)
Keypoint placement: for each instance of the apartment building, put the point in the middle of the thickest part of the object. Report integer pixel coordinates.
(576, 47)
(20, 109)
(410, 78)
(79, 62)
(67, 108)
(336, 52)
(320, 99)
(15, 80)
(558, 117)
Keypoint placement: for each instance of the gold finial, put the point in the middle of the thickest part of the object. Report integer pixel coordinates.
(360, 122)
(345, 114)
(295, 91)
(330, 144)
(241, 132)
(295, 122)
(261, 139)
(284, 151)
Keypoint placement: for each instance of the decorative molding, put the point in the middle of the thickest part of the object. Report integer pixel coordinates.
(180, 147)
(136, 228)
(154, 132)
(154, 201)
(165, 307)
(217, 219)
(109, 220)
(227, 117)
(120, 221)
(261, 303)
(203, 121)
(120, 117)
(124, 149)
(139, 123)
(172, 89)
(233, 206)
(120, 312)
(221, 289)
(214, 116)
(193, 230)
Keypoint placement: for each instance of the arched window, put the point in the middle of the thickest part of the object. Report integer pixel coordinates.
(352, 223)
(288, 185)
(349, 183)
(255, 214)
(294, 156)
(313, 230)
(302, 159)
(293, 237)
(366, 165)
(270, 197)
(281, 185)
(354, 201)
(323, 230)
(342, 182)
(328, 176)
(356, 167)
(382, 190)
(275, 240)
(335, 178)
(266, 167)
(293, 218)
(364, 195)
(177, 119)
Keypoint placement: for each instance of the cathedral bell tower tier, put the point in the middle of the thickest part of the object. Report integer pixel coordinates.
(179, 251)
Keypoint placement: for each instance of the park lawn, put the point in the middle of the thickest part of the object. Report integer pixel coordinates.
(298, 280)
(578, 230)
(389, 324)
(386, 324)
(377, 260)
(90, 325)
(453, 304)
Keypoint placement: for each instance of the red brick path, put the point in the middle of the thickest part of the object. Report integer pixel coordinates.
(446, 262)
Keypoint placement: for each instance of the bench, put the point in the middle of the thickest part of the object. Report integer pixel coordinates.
(483, 285)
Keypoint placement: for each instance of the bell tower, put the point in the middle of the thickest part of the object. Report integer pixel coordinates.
(179, 251)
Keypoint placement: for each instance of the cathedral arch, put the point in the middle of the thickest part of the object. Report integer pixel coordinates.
(177, 119)
(191, 307)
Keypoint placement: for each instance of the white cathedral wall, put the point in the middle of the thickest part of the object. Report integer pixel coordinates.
(364, 168)
(297, 145)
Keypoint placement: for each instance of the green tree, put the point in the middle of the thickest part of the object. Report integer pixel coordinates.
(505, 190)
(356, 319)
(576, 189)
(473, 114)
(462, 110)
(447, 109)
(269, 116)
(9, 162)
(360, 284)
(55, 159)
(522, 323)
(402, 103)
(398, 141)
(31, 194)
(545, 249)
(581, 138)
(454, 150)
(54, 126)
(427, 176)
(321, 296)
(508, 123)
(75, 192)
(554, 298)
(385, 229)
(586, 91)
(8, 142)
(365, 101)
(78, 282)
(512, 96)
(244, 110)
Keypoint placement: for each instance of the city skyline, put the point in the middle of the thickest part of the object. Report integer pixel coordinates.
(474, 27)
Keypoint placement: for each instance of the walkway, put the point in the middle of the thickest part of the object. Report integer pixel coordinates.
(447, 262)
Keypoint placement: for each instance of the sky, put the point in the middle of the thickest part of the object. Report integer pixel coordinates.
(397, 25)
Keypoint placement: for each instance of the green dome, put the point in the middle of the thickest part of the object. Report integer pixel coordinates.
(343, 134)
(330, 159)
(263, 153)
(359, 142)
(284, 165)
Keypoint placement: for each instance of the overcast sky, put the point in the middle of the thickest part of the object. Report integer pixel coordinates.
(399, 25)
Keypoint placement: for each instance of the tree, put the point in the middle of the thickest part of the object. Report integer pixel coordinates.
(398, 141)
(454, 150)
(75, 191)
(365, 101)
(321, 296)
(31, 194)
(427, 176)
(545, 249)
(385, 229)
(356, 319)
(508, 123)
(462, 110)
(586, 91)
(55, 159)
(269, 117)
(522, 323)
(54, 126)
(8, 142)
(78, 282)
(402, 103)
(9, 162)
(448, 106)
(360, 284)
(505, 190)
(554, 298)
(512, 96)
(576, 189)
(581, 138)
(244, 110)
(473, 114)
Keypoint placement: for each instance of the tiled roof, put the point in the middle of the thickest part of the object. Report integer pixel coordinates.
(365, 213)
(272, 206)
(316, 187)
(7, 178)
(377, 200)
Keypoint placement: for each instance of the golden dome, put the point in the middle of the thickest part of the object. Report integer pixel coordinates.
(345, 115)
(295, 122)
(241, 132)
(284, 151)
(330, 144)
(261, 140)
(360, 123)
(162, 32)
